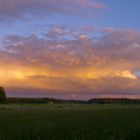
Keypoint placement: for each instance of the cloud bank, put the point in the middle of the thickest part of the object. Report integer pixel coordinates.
(73, 63)
(16, 9)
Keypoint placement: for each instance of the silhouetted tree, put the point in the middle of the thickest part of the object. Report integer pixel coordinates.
(3, 98)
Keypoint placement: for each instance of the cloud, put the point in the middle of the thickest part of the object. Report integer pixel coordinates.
(74, 64)
(16, 9)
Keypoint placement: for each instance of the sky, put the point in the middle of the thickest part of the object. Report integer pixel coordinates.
(70, 49)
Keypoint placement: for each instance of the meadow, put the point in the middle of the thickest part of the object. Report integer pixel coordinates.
(69, 122)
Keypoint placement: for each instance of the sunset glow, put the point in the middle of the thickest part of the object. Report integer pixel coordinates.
(69, 51)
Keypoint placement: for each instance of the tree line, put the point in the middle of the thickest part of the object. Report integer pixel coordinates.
(113, 101)
(91, 101)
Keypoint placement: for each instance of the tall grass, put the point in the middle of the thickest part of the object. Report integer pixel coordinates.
(69, 122)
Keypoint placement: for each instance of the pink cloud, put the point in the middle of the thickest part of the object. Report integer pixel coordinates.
(90, 4)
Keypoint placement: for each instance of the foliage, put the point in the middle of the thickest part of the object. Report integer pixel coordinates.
(3, 98)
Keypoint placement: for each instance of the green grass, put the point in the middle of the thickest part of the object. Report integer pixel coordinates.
(69, 122)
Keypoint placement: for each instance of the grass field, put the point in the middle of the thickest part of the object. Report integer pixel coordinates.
(69, 122)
